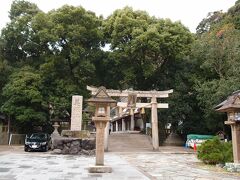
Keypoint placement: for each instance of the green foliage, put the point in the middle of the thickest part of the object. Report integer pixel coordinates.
(144, 46)
(22, 8)
(58, 48)
(216, 57)
(149, 53)
(19, 42)
(214, 151)
(206, 24)
(234, 13)
(5, 70)
(23, 98)
(72, 36)
(184, 112)
(228, 152)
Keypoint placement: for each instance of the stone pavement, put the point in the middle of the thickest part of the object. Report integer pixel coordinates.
(170, 163)
(45, 166)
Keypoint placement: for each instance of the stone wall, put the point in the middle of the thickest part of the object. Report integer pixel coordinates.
(76, 134)
(68, 145)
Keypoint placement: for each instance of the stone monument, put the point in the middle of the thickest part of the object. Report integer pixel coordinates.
(76, 120)
(76, 115)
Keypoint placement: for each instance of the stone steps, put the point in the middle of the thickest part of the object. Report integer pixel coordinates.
(129, 142)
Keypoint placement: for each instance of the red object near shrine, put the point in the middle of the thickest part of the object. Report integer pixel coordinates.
(195, 147)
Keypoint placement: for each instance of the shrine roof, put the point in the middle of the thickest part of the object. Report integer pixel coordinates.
(231, 103)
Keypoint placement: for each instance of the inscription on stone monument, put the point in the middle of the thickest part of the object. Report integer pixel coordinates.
(76, 115)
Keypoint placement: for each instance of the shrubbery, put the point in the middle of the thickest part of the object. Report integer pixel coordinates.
(214, 151)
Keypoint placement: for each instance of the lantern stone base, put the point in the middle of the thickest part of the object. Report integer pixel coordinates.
(100, 169)
(55, 132)
(232, 167)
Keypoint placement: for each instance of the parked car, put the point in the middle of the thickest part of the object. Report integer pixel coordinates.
(38, 142)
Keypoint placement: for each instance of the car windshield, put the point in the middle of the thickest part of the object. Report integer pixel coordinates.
(38, 136)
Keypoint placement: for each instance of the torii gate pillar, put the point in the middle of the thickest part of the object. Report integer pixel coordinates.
(155, 141)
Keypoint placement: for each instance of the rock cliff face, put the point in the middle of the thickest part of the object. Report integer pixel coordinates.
(68, 145)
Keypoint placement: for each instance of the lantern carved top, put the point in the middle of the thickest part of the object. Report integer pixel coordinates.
(101, 97)
(231, 104)
(101, 100)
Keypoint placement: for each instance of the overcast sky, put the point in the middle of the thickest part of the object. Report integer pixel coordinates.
(189, 12)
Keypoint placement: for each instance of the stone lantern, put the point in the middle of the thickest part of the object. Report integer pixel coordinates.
(55, 122)
(232, 107)
(102, 102)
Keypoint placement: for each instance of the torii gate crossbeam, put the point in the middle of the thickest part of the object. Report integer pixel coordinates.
(125, 93)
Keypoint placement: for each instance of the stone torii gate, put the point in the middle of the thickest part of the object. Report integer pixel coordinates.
(142, 94)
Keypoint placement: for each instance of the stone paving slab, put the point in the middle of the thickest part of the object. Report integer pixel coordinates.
(41, 166)
(15, 164)
(164, 166)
